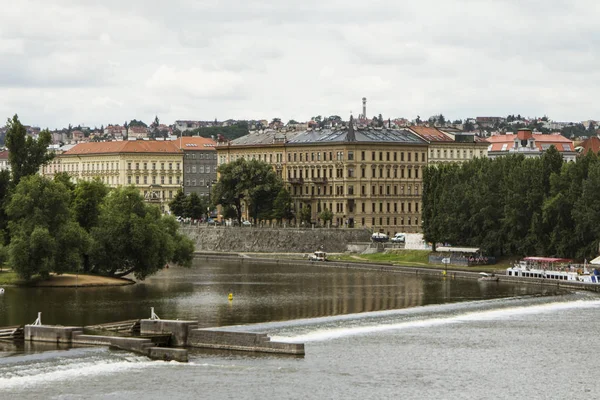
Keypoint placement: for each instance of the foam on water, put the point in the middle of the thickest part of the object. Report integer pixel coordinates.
(359, 324)
(35, 370)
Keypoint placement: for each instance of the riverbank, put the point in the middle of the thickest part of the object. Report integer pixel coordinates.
(10, 278)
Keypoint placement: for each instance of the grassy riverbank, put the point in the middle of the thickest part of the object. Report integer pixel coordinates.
(10, 278)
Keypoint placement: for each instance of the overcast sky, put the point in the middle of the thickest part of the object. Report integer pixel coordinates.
(107, 61)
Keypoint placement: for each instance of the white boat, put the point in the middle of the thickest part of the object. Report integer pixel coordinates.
(318, 256)
(379, 237)
(485, 277)
(561, 269)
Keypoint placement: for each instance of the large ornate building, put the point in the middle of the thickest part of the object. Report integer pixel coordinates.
(368, 177)
(154, 167)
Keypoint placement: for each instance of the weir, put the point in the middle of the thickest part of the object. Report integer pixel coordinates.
(155, 338)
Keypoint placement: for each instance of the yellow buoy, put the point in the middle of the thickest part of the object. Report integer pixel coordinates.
(230, 297)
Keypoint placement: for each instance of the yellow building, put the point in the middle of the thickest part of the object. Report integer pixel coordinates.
(451, 147)
(368, 177)
(154, 167)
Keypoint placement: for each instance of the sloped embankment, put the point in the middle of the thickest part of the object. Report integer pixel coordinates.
(273, 240)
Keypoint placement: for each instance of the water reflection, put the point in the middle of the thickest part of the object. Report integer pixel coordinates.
(261, 293)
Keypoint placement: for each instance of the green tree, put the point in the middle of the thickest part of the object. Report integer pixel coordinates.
(305, 215)
(326, 215)
(87, 199)
(44, 236)
(283, 207)
(195, 207)
(133, 237)
(25, 154)
(178, 204)
(253, 183)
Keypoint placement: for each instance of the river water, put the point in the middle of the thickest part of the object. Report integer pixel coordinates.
(367, 335)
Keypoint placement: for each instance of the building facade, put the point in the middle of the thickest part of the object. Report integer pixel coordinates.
(451, 147)
(199, 164)
(367, 177)
(154, 167)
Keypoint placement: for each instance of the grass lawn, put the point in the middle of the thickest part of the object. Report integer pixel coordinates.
(415, 258)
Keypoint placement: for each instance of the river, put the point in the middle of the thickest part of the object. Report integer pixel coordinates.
(368, 335)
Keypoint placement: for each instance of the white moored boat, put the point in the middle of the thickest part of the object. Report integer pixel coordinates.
(318, 256)
(553, 268)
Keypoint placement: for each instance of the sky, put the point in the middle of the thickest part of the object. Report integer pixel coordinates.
(107, 61)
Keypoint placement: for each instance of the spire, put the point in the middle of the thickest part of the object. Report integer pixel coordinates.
(351, 137)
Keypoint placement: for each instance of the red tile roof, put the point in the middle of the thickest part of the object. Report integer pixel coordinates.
(430, 134)
(126, 146)
(196, 143)
(592, 144)
(4, 155)
(560, 142)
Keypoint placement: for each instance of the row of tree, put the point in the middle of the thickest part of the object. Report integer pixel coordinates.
(56, 226)
(516, 206)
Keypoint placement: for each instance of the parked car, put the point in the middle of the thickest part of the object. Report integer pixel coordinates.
(246, 223)
(211, 221)
(399, 238)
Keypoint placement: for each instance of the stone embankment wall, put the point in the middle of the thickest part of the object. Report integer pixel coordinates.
(283, 240)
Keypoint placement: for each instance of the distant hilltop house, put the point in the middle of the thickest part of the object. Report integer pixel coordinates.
(138, 132)
(78, 136)
(530, 144)
(488, 121)
(116, 131)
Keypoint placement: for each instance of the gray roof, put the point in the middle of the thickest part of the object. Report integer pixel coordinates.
(358, 135)
(264, 137)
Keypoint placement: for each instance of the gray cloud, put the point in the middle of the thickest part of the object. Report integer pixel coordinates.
(67, 61)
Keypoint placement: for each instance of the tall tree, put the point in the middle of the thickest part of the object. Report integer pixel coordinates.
(283, 207)
(133, 237)
(44, 236)
(253, 183)
(87, 199)
(178, 204)
(25, 154)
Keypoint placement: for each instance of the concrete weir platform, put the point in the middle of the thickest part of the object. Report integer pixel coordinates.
(180, 334)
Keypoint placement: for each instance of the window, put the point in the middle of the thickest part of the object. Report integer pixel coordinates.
(402, 156)
(162, 180)
(372, 207)
(363, 172)
(207, 169)
(363, 207)
(373, 156)
(153, 165)
(178, 167)
(350, 172)
(350, 156)
(187, 169)
(137, 165)
(145, 180)
(145, 165)
(154, 180)
(170, 180)
(395, 156)
(408, 156)
(128, 166)
(362, 156)
(162, 165)
(170, 194)
(193, 169)
(387, 156)
(363, 190)
(201, 169)
(129, 180)
(137, 180)
(381, 156)
(350, 190)
(170, 165)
